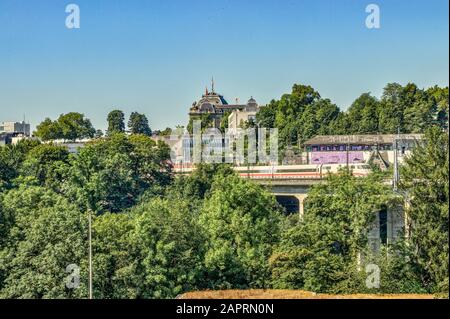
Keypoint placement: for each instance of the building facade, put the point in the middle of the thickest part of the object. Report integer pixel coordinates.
(13, 132)
(216, 107)
(351, 149)
(15, 128)
(239, 117)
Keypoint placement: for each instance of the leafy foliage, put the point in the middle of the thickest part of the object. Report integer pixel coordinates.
(138, 124)
(116, 122)
(11, 161)
(303, 113)
(321, 253)
(241, 221)
(70, 126)
(425, 180)
(111, 174)
(44, 234)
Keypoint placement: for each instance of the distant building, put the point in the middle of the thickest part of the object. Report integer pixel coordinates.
(13, 132)
(342, 149)
(238, 117)
(15, 128)
(216, 106)
(72, 147)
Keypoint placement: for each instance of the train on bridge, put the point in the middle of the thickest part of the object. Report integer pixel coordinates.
(316, 171)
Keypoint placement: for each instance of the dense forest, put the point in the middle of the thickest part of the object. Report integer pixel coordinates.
(156, 235)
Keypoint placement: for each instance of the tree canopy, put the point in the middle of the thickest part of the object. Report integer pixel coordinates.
(425, 181)
(70, 126)
(116, 122)
(138, 124)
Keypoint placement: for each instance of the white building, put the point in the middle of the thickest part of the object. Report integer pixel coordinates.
(15, 128)
(237, 118)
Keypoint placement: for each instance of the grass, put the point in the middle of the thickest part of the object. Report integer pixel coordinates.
(291, 294)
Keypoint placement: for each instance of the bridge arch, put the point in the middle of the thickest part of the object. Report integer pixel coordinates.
(293, 202)
(290, 203)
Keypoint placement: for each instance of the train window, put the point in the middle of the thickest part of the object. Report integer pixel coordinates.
(327, 167)
(299, 170)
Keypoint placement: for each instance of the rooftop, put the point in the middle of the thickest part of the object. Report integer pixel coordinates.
(360, 139)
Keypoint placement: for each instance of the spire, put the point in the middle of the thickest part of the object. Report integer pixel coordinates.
(206, 90)
(212, 84)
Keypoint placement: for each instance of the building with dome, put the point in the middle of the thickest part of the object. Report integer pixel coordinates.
(216, 107)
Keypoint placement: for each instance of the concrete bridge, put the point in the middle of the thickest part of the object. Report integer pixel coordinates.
(291, 190)
(389, 223)
(290, 193)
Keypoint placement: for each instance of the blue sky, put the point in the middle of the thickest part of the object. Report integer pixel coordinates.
(157, 56)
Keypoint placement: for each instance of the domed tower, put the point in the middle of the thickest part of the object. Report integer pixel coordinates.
(252, 105)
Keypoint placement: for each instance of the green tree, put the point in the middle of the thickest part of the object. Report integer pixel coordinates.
(206, 121)
(70, 126)
(321, 252)
(317, 119)
(362, 115)
(111, 174)
(75, 126)
(407, 109)
(48, 130)
(299, 116)
(440, 98)
(166, 132)
(170, 242)
(12, 158)
(138, 124)
(241, 221)
(116, 122)
(419, 109)
(47, 164)
(266, 115)
(425, 180)
(115, 258)
(98, 134)
(198, 184)
(224, 121)
(45, 234)
(391, 109)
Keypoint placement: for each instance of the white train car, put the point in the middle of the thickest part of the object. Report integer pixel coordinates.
(315, 171)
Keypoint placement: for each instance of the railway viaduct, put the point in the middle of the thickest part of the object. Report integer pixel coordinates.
(291, 193)
(387, 226)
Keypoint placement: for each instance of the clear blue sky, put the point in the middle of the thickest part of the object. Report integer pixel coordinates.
(157, 56)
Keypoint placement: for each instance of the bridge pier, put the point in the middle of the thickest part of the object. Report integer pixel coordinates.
(300, 198)
(285, 189)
